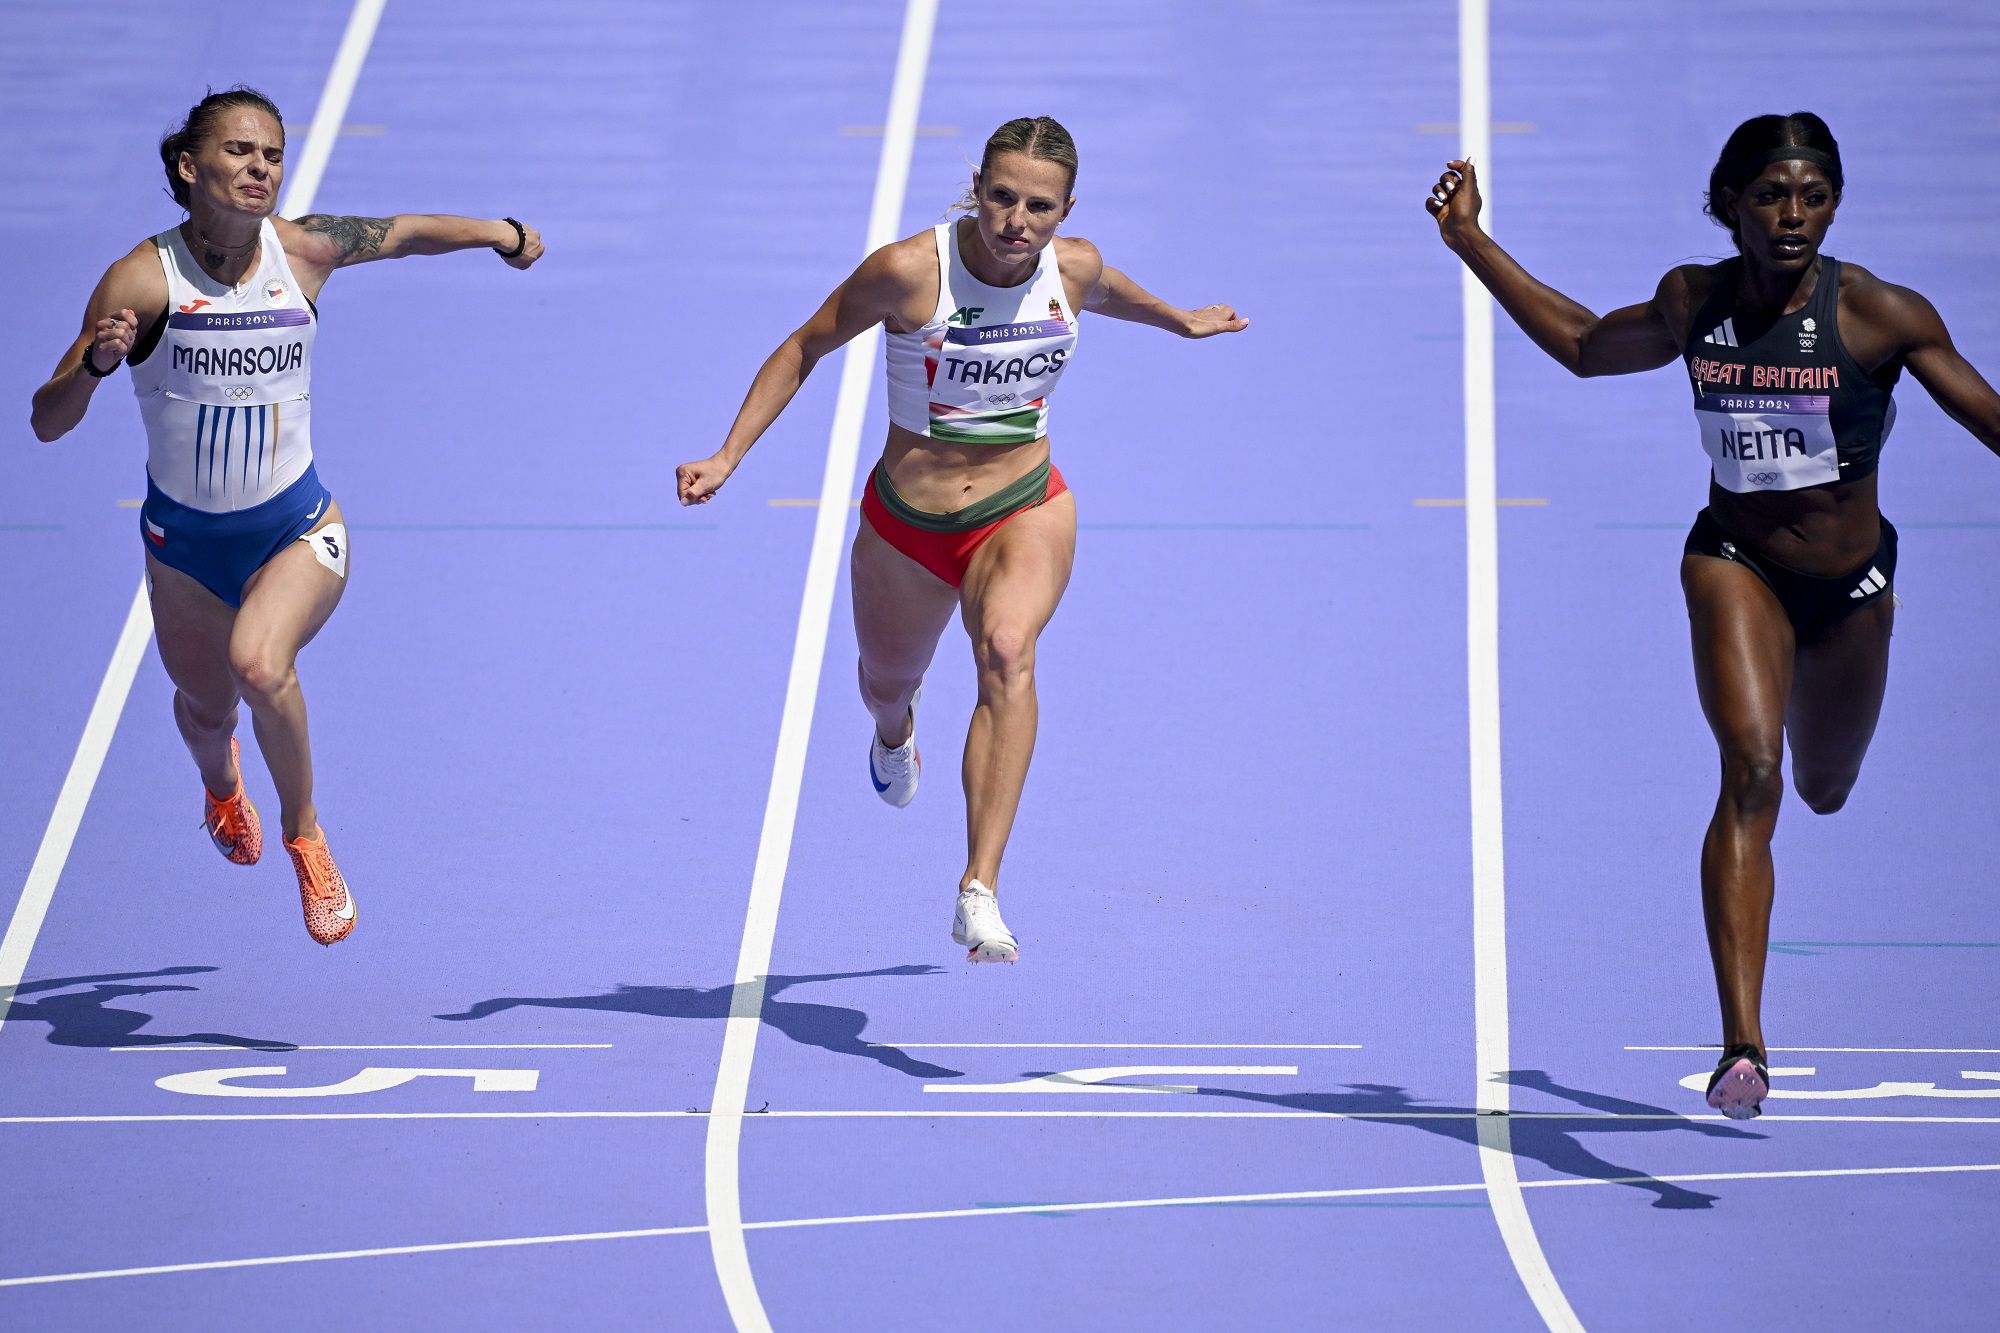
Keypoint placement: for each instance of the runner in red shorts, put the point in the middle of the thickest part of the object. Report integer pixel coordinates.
(964, 514)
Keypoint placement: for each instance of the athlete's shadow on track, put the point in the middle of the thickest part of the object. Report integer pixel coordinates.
(827, 1026)
(1554, 1142)
(89, 1018)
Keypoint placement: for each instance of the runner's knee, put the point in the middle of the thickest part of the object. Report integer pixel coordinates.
(1753, 783)
(260, 673)
(1823, 793)
(888, 685)
(206, 715)
(1007, 652)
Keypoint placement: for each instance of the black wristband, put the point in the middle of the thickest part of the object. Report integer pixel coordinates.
(93, 371)
(520, 240)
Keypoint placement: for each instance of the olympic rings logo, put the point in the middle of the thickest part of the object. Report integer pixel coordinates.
(1764, 478)
(238, 393)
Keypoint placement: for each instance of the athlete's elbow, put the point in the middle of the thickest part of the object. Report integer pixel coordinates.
(47, 429)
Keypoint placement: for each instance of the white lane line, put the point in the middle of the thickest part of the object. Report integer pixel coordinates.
(32, 908)
(1001, 1210)
(1482, 626)
(302, 182)
(1587, 1117)
(444, 1046)
(1842, 1050)
(1116, 1046)
(722, 1157)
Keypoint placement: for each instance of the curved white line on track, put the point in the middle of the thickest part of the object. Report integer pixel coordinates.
(60, 834)
(1482, 625)
(1006, 1210)
(722, 1157)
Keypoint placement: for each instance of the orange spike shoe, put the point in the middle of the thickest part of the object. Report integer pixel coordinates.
(329, 906)
(232, 824)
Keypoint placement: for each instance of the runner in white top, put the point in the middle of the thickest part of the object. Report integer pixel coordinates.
(964, 515)
(246, 553)
(227, 394)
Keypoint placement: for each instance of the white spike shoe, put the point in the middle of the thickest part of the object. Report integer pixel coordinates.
(977, 926)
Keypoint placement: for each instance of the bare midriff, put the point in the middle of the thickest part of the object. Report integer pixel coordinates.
(1825, 531)
(944, 478)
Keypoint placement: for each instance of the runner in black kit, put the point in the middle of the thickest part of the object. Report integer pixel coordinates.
(1791, 356)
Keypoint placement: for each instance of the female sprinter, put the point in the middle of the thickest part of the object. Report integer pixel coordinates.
(1791, 356)
(246, 553)
(964, 513)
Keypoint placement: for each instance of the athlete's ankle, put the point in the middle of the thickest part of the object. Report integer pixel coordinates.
(903, 730)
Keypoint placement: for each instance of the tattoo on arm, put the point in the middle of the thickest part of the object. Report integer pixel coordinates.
(358, 238)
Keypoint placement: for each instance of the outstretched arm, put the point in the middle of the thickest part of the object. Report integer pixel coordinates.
(871, 294)
(1936, 364)
(1637, 337)
(1114, 294)
(322, 242)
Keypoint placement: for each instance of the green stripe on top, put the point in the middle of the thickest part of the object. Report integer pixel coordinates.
(950, 434)
(1011, 425)
(1011, 498)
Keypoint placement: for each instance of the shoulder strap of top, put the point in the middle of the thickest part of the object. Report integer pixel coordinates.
(274, 255)
(169, 246)
(1826, 293)
(1716, 307)
(946, 234)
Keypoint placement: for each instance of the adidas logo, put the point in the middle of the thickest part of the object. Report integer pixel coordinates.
(1871, 583)
(1723, 334)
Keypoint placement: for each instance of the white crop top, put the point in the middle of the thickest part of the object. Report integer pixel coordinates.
(226, 394)
(982, 369)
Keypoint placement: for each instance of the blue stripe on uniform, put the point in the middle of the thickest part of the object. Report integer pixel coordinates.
(229, 433)
(214, 424)
(200, 422)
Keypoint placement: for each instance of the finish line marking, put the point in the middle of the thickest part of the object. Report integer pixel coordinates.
(1005, 1210)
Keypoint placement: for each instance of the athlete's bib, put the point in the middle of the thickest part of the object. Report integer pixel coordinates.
(982, 369)
(1768, 441)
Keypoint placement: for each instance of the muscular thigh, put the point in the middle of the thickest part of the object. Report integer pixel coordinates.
(1018, 577)
(900, 608)
(290, 598)
(1743, 650)
(191, 625)
(1837, 687)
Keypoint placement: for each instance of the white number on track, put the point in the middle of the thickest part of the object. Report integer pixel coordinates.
(1093, 1080)
(224, 1082)
(1697, 1082)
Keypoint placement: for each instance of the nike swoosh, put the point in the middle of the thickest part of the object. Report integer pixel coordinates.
(880, 785)
(348, 914)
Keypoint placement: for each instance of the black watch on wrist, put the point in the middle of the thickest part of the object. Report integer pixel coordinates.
(92, 370)
(520, 240)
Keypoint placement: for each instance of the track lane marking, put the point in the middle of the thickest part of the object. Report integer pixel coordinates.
(284, 1048)
(722, 1155)
(25, 925)
(1116, 1045)
(1003, 1210)
(695, 1113)
(1482, 622)
(1844, 1050)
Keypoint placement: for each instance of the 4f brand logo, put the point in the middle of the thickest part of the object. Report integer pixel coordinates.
(966, 314)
